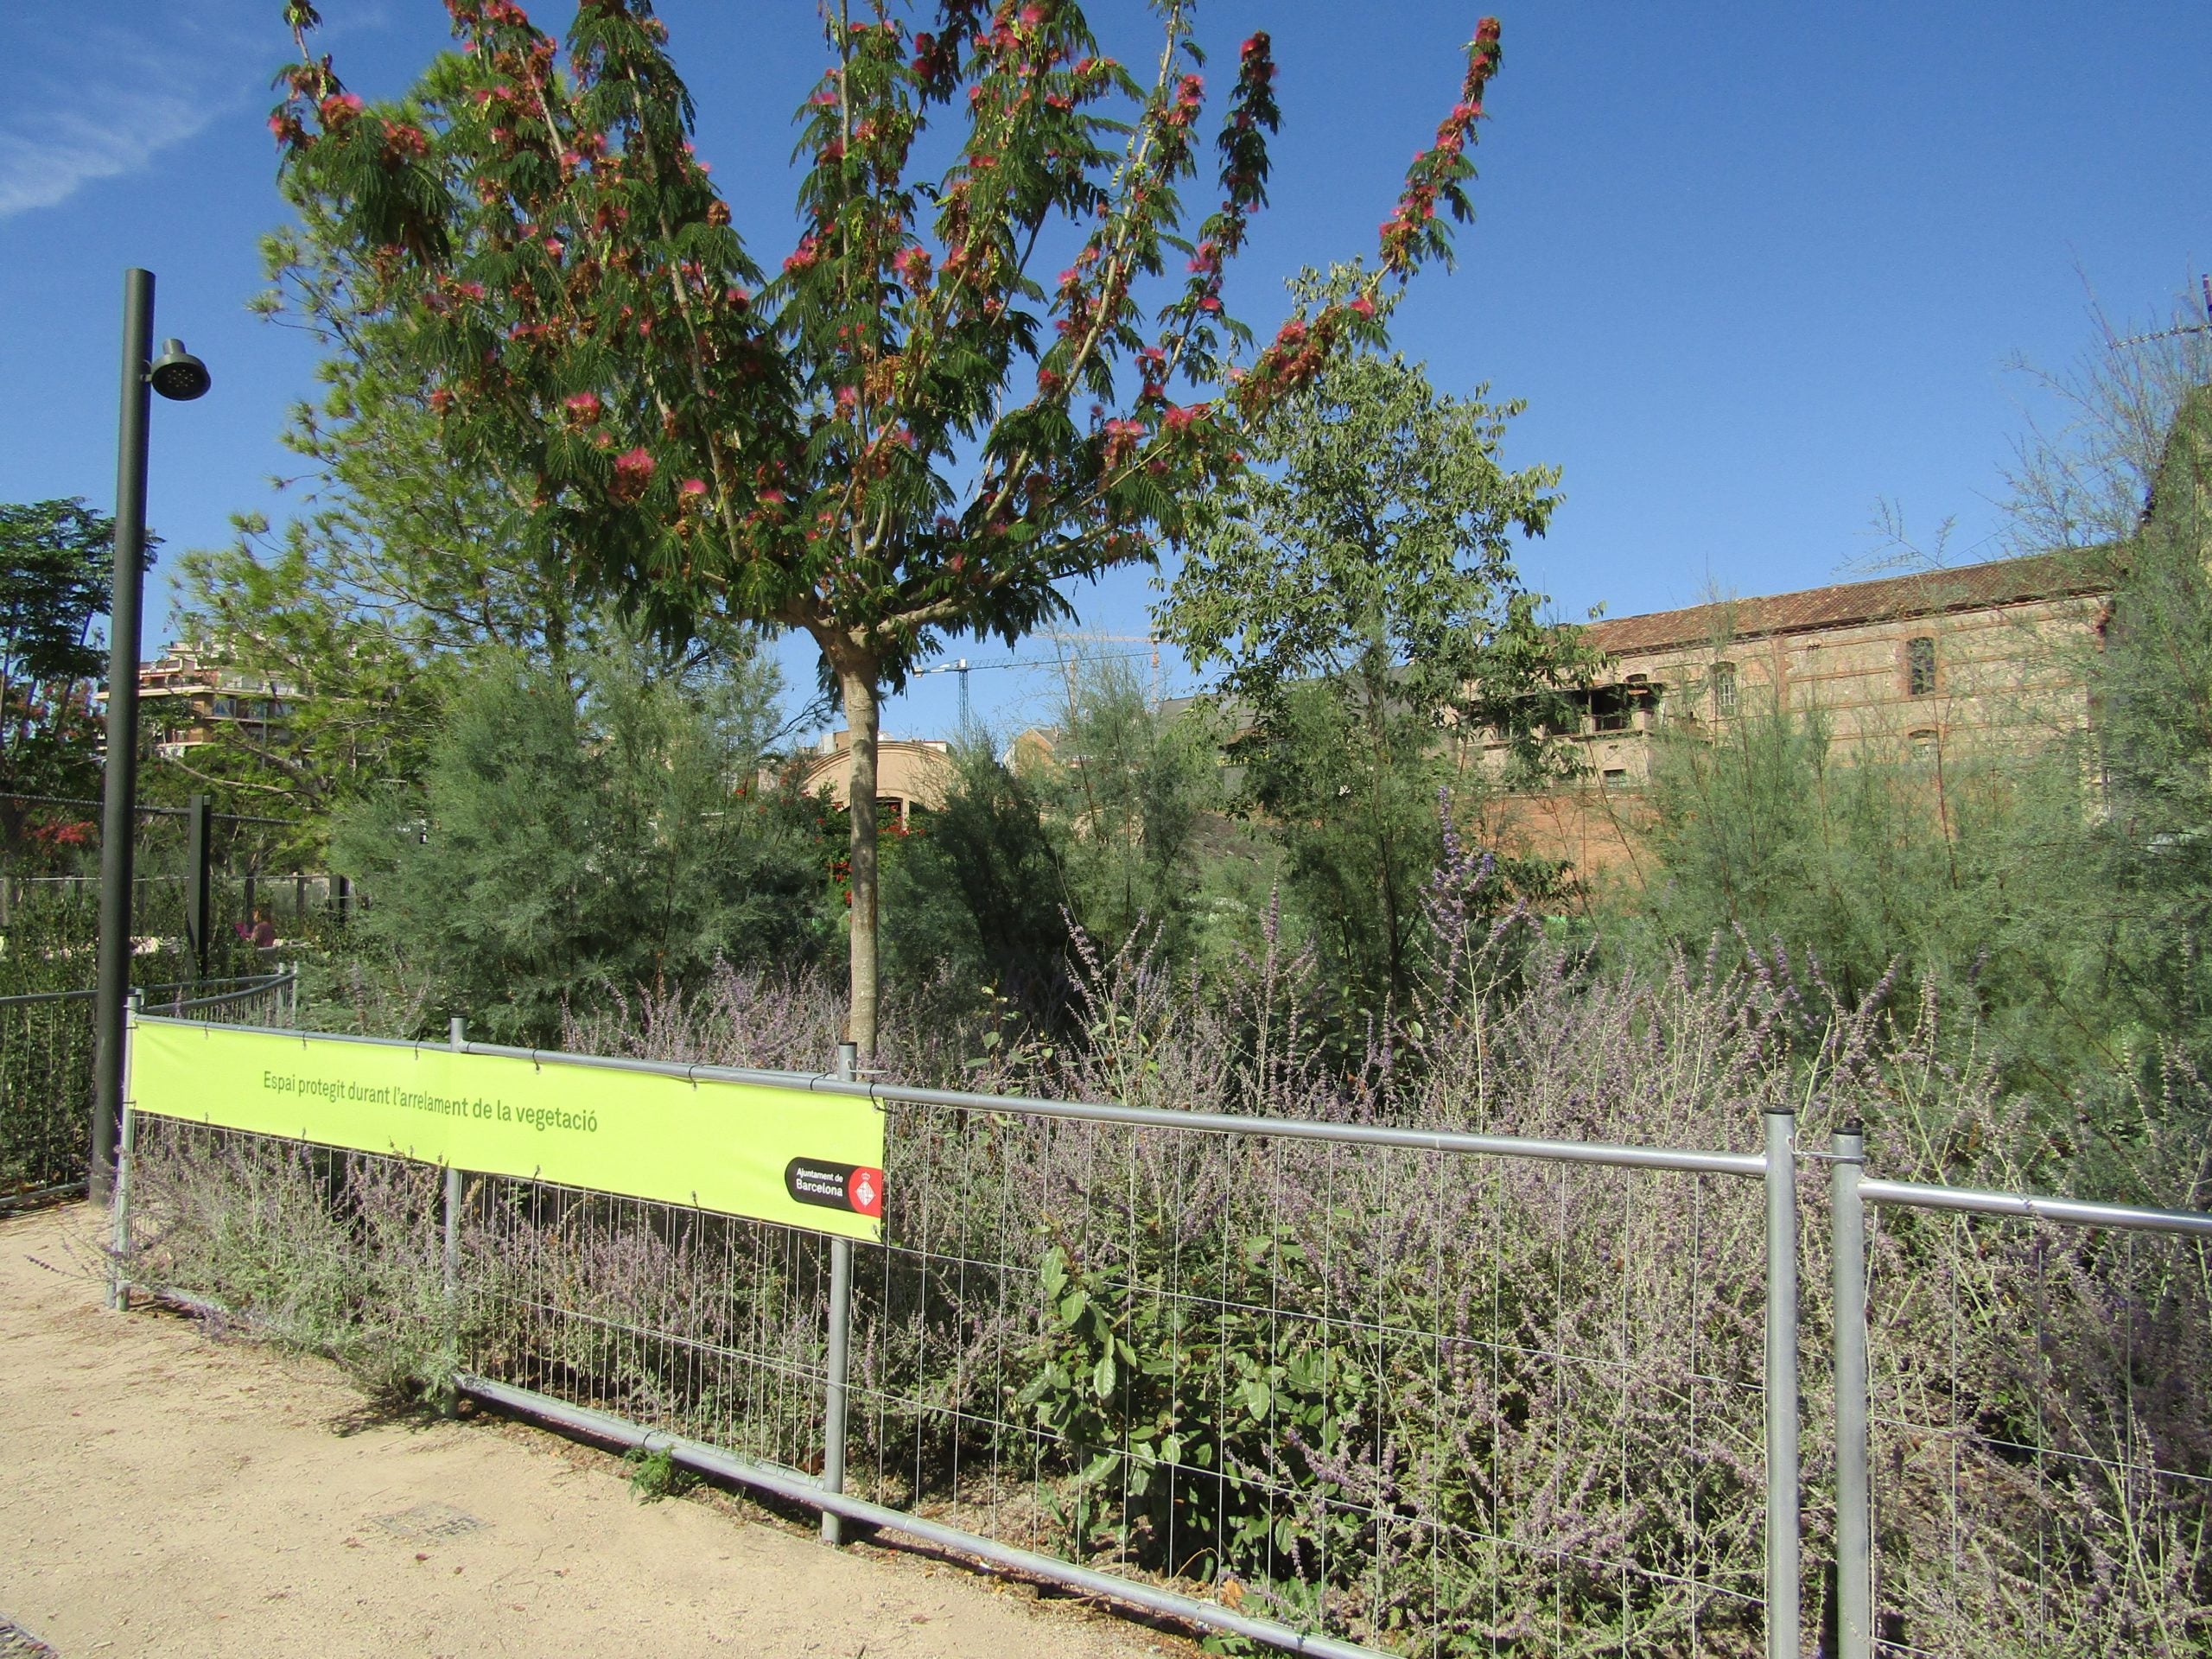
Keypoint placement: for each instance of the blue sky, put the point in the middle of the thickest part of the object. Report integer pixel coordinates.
(1755, 269)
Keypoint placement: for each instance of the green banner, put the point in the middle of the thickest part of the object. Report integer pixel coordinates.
(780, 1154)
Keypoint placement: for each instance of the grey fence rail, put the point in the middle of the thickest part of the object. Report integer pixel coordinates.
(46, 1074)
(1336, 1387)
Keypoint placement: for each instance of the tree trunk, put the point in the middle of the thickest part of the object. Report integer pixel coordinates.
(861, 717)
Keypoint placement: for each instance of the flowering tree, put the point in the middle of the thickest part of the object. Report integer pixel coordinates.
(907, 433)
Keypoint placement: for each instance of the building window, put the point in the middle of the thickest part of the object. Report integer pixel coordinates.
(1609, 708)
(1724, 689)
(1616, 778)
(1923, 746)
(1920, 666)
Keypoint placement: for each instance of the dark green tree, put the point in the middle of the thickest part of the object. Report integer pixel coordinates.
(573, 833)
(1129, 787)
(980, 895)
(1357, 589)
(57, 561)
(2152, 687)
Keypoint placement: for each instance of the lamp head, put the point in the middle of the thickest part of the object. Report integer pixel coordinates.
(178, 374)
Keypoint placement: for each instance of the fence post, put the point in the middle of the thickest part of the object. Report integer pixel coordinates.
(1854, 1552)
(199, 908)
(119, 1284)
(1782, 1612)
(457, 1037)
(837, 1361)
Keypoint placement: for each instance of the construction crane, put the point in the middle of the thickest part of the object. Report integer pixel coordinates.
(1063, 662)
(961, 669)
(2203, 328)
(1150, 640)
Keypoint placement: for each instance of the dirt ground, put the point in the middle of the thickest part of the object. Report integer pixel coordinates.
(161, 1493)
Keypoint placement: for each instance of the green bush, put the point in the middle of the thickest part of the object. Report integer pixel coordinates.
(566, 837)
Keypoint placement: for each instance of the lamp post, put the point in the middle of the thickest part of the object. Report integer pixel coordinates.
(178, 375)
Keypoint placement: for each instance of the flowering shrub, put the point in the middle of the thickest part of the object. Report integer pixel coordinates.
(1442, 1406)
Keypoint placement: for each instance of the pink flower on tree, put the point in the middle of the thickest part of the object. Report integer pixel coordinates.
(403, 138)
(633, 472)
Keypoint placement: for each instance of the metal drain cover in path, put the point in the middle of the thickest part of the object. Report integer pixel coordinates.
(16, 1642)
(429, 1521)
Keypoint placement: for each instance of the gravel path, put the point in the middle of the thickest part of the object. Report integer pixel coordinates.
(164, 1494)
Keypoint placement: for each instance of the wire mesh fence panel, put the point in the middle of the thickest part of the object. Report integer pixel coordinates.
(704, 1325)
(1431, 1402)
(46, 1095)
(337, 1252)
(1435, 1404)
(2041, 1438)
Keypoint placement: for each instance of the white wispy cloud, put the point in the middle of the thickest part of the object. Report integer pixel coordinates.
(104, 103)
(66, 149)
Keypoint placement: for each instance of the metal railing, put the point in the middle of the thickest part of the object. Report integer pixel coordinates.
(1337, 1387)
(45, 1073)
(2041, 1480)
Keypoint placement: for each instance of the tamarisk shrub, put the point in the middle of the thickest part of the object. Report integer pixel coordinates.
(905, 432)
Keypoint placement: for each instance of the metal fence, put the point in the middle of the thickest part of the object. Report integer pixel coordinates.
(1342, 1387)
(2036, 1479)
(45, 1073)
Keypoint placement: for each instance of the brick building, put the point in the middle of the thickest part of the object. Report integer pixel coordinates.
(1979, 656)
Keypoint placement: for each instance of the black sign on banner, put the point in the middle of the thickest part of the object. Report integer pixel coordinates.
(835, 1187)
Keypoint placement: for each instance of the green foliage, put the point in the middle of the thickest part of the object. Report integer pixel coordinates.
(2153, 688)
(978, 890)
(566, 835)
(1358, 589)
(881, 445)
(1129, 785)
(1894, 875)
(57, 561)
(58, 565)
(399, 572)
(2060, 885)
(1156, 1414)
(655, 1475)
(1764, 833)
